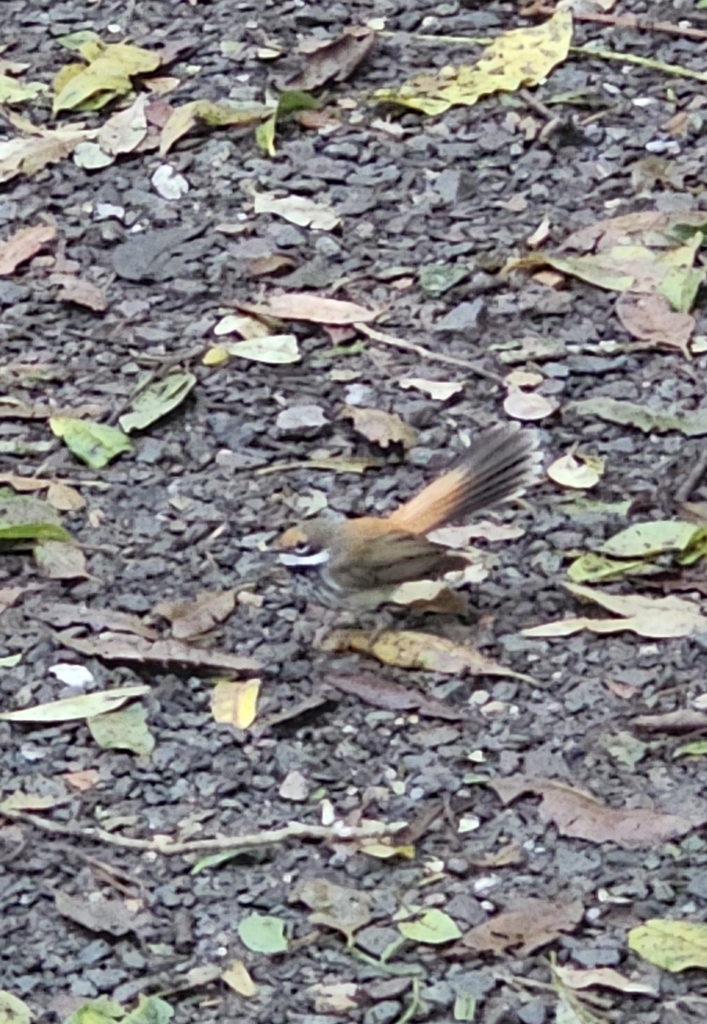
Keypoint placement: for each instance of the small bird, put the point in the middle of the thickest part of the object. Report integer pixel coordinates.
(358, 563)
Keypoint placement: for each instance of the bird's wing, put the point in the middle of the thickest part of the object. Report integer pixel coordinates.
(391, 559)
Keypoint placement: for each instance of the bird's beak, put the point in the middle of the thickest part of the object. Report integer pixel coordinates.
(296, 561)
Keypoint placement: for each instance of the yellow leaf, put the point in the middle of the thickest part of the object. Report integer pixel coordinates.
(672, 945)
(215, 115)
(237, 977)
(521, 57)
(235, 703)
(107, 76)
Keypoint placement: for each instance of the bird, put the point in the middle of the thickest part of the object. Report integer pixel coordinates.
(356, 564)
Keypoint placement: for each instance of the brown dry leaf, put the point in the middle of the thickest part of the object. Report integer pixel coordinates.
(313, 308)
(381, 428)
(63, 497)
(99, 914)
(434, 596)
(62, 615)
(122, 647)
(192, 618)
(335, 997)
(508, 856)
(580, 815)
(10, 595)
(528, 926)
(83, 293)
(27, 155)
(408, 649)
(272, 264)
(606, 234)
(20, 801)
(655, 617)
(345, 910)
(126, 129)
(333, 61)
(606, 977)
(650, 318)
(382, 693)
(82, 780)
(296, 209)
(23, 245)
(235, 703)
(60, 560)
(674, 723)
(622, 690)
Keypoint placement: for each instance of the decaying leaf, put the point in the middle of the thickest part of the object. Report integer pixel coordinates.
(192, 618)
(72, 709)
(126, 129)
(60, 560)
(333, 61)
(275, 349)
(432, 928)
(524, 56)
(124, 647)
(83, 293)
(297, 210)
(157, 400)
(528, 405)
(656, 617)
(614, 410)
(581, 815)
(379, 427)
(603, 977)
(440, 390)
(650, 318)
(313, 308)
(96, 444)
(125, 729)
(263, 934)
(345, 910)
(425, 651)
(334, 997)
(98, 914)
(576, 471)
(23, 518)
(211, 115)
(236, 976)
(383, 693)
(235, 703)
(672, 945)
(23, 245)
(109, 74)
(527, 926)
(30, 154)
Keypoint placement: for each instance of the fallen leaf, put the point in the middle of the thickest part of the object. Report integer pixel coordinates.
(650, 318)
(13, 1010)
(125, 129)
(24, 518)
(62, 615)
(576, 471)
(605, 977)
(344, 910)
(527, 926)
(23, 245)
(110, 70)
(432, 928)
(648, 540)
(262, 934)
(658, 618)
(674, 723)
(313, 308)
(580, 815)
(334, 997)
(192, 618)
(90, 157)
(19, 801)
(169, 183)
(287, 103)
(482, 529)
(83, 293)
(276, 349)
(236, 976)
(672, 945)
(157, 400)
(28, 155)
(333, 61)
(72, 709)
(248, 327)
(383, 693)
(441, 391)
(528, 405)
(60, 560)
(123, 647)
(614, 410)
(123, 730)
(696, 748)
(438, 278)
(96, 444)
(83, 780)
(273, 264)
(300, 210)
(64, 497)
(98, 914)
(521, 57)
(12, 91)
(235, 703)
(425, 651)
(379, 427)
(210, 115)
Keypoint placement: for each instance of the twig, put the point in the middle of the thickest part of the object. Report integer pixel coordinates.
(693, 477)
(437, 357)
(249, 840)
(641, 62)
(623, 21)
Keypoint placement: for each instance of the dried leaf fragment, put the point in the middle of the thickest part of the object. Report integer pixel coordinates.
(529, 925)
(23, 245)
(333, 61)
(379, 427)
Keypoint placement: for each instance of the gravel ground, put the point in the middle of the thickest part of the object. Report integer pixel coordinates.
(188, 510)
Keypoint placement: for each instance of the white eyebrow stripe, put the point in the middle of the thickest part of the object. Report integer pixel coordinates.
(318, 558)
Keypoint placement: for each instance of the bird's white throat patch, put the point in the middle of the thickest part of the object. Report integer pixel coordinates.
(292, 559)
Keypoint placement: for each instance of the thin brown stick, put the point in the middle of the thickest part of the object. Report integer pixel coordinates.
(693, 477)
(249, 840)
(622, 21)
(436, 357)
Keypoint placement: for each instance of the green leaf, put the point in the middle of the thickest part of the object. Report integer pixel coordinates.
(437, 279)
(125, 729)
(432, 928)
(265, 134)
(292, 100)
(150, 1010)
(593, 568)
(25, 518)
(13, 1010)
(75, 40)
(697, 748)
(71, 709)
(262, 934)
(97, 1011)
(157, 400)
(672, 945)
(646, 540)
(465, 1006)
(94, 443)
(108, 75)
(9, 661)
(12, 91)
(214, 860)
